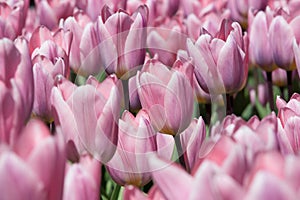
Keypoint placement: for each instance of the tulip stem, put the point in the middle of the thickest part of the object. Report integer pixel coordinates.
(289, 82)
(116, 192)
(126, 94)
(229, 103)
(208, 113)
(270, 90)
(179, 151)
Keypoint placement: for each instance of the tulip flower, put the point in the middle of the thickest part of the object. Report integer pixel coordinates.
(239, 9)
(88, 115)
(160, 41)
(111, 43)
(12, 18)
(49, 12)
(50, 58)
(44, 155)
(82, 180)
(137, 141)
(220, 66)
(16, 97)
(167, 96)
(288, 120)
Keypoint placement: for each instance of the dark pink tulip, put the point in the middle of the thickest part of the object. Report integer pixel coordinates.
(16, 97)
(45, 155)
(92, 112)
(50, 12)
(167, 96)
(82, 180)
(12, 18)
(137, 141)
(220, 66)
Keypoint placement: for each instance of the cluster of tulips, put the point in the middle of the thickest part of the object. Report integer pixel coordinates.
(149, 99)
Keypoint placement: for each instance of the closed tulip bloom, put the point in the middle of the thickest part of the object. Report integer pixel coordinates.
(50, 58)
(50, 12)
(260, 49)
(83, 179)
(91, 112)
(137, 141)
(221, 66)
(12, 18)
(16, 97)
(44, 154)
(281, 40)
(167, 96)
(115, 43)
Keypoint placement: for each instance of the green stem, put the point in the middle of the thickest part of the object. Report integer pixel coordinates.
(126, 93)
(116, 192)
(270, 90)
(229, 103)
(289, 75)
(179, 151)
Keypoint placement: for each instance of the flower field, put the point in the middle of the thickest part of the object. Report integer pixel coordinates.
(149, 99)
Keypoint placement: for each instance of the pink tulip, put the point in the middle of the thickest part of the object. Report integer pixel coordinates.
(76, 23)
(16, 97)
(281, 40)
(89, 114)
(132, 193)
(137, 141)
(260, 94)
(288, 120)
(167, 96)
(260, 49)
(111, 43)
(208, 182)
(220, 66)
(44, 155)
(82, 180)
(50, 58)
(161, 39)
(12, 18)
(191, 141)
(239, 9)
(50, 12)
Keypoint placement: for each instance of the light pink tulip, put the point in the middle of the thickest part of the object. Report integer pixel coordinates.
(220, 66)
(83, 180)
(160, 40)
(111, 43)
(260, 49)
(50, 12)
(239, 9)
(50, 58)
(191, 141)
(90, 112)
(167, 96)
(137, 142)
(44, 155)
(12, 18)
(16, 93)
(281, 40)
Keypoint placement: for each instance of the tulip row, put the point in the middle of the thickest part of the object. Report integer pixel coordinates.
(135, 99)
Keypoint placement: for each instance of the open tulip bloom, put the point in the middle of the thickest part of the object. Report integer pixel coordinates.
(149, 99)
